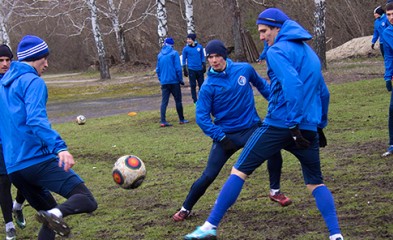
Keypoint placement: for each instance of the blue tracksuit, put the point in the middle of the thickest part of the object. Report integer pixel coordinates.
(388, 59)
(379, 25)
(193, 57)
(168, 66)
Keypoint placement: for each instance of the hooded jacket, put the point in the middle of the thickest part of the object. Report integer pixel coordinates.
(299, 95)
(168, 68)
(379, 25)
(388, 48)
(228, 97)
(26, 132)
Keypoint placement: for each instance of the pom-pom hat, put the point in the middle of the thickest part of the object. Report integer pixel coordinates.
(32, 48)
(273, 17)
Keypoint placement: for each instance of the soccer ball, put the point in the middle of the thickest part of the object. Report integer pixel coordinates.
(129, 172)
(80, 120)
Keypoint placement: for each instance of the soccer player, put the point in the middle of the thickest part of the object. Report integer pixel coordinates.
(36, 157)
(297, 112)
(227, 95)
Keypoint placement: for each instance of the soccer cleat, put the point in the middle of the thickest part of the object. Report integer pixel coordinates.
(166, 124)
(184, 121)
(281, 199)
(181, 215)
(10, 234)
(55, 223)
(200, 234)
(336, 237)
(19, 218)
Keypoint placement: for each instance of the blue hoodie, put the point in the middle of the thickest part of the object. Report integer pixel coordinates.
(168, 66)
(299, 95)
(228, 97)
(193, 57)
(26, 132)
(388, 48)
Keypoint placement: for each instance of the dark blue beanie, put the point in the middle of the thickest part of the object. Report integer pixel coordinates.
(273, 17)
(192, 36)
(5, 51)
(169, 41)
(32, 48)
(216, 47)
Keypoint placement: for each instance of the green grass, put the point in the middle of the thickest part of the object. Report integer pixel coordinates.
(360, 180)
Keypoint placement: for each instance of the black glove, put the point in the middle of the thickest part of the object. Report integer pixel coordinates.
(372, 46)
(322, 138)
(300, 141)
(203, 67)
(389, 85)
(185, 71)
(228, 145)
(182, 83)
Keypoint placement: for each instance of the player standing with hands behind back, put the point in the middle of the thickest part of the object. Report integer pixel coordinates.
(36, 157)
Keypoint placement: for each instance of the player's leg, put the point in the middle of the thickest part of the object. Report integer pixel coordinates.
(17, 209)
(192, 79)
(274, 165)
(176, 92)
(6, 205)
(311, 168)
(165, 91)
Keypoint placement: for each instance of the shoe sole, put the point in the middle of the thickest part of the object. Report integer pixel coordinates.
(206, 238)
(386, 154)
(59, 227)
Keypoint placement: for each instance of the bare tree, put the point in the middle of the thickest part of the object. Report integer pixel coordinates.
(189, 16)
(104, 68)
(237, 31)
(319, 31)
(162, 21)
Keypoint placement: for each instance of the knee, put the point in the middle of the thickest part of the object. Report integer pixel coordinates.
(312, 187)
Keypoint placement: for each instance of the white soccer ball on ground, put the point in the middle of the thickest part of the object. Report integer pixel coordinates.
(129, 172)
(80, 120)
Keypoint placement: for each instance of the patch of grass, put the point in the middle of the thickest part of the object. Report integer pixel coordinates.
(360, 180)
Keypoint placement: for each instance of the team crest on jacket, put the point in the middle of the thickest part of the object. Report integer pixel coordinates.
(198, 49)
(242, 80)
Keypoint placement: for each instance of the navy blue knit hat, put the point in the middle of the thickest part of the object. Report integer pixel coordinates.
(192, 36)
(273, 17)
(379, 10)
(32, 48)
(216, 47)
(5, 51)
(169, 41)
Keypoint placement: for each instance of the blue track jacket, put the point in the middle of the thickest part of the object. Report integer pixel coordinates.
(193, 57)
(299, 95)
(388, 48)
(26, 132)
(168, 66)
(379, 25)
(228, 97)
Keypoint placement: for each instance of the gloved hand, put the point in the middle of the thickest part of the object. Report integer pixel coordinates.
(203, 67)
(185, 71)
(300, 141)
(372, 46)
(228, 145)
(389, 86)
(182, 83)
(322, 138)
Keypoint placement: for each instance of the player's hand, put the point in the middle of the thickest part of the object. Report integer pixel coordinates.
(297, 136)
(185, 71)
(322, 138)
(203, 67)
(372, 46)
(66, 160)
(389, 86)
(182, 83)
(228, 145)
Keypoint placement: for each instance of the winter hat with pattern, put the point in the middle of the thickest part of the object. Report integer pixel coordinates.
(216, 47)
(32, 48)
(5, 51)
(192, 36)
(273, 17)
(169, 41)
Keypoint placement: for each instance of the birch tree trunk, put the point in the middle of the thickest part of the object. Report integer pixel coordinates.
(189, 16)
(119, 33)
(104, 68)
(319, 31)
(162, 21)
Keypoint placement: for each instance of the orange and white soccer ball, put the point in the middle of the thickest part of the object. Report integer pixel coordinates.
(129, 172)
